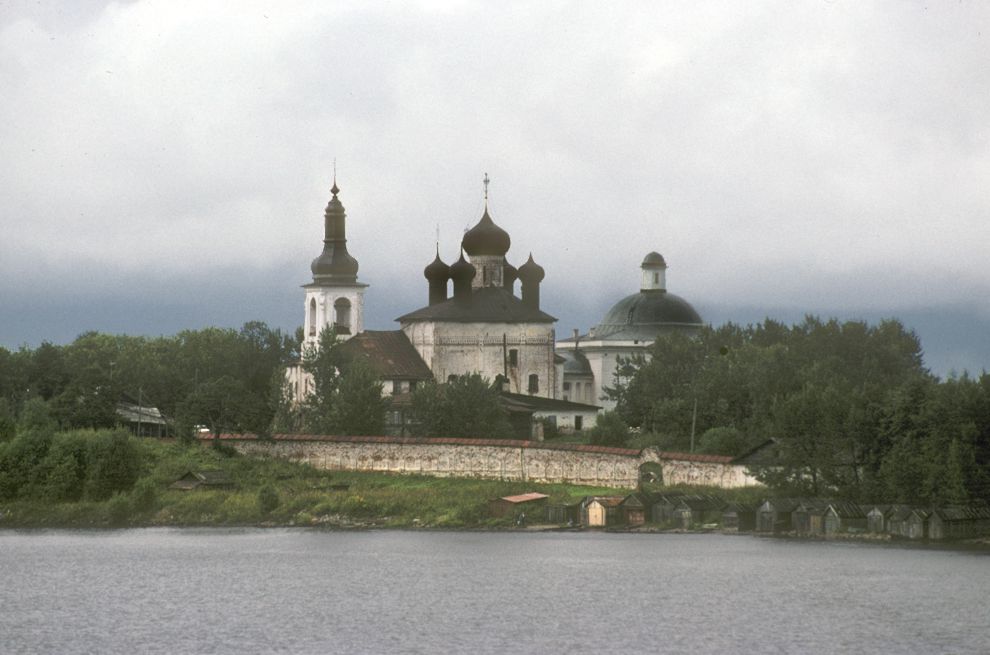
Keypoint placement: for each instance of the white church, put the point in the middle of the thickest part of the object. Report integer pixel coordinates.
(475, 323)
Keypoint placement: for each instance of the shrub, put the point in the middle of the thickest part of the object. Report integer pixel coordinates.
(610, 430)
(113, 463)
(145, 495)
(268, 499)
(119, 509)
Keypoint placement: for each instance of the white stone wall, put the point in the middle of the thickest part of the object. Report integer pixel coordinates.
(464, 348)
(496, 460)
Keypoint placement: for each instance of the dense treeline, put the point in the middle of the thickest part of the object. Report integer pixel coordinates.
(222, 378)
(851, 407)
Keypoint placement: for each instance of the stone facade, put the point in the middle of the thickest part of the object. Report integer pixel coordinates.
(525, 461)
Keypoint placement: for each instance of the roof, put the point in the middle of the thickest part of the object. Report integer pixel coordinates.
(605, 501)
(575, 363)
(455, 441)
(390, 354)
(524, 498)
(539, 403)
(645, 315)
(139, 414)
(485, 305)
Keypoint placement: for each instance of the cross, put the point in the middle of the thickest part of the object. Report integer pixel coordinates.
(485, 182)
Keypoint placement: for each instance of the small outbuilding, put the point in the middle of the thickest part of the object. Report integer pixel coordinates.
(775, 515)
(210, 479)
(600, 511)
(958, 522)
(842, 516)
(531, 502)
(737, 517)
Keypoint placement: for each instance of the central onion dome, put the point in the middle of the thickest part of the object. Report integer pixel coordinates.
(486, 238)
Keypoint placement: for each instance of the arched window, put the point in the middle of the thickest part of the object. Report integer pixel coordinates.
(312, 317)
(342, 319)
(534, 383)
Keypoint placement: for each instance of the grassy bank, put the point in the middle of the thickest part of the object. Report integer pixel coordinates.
(276, 492)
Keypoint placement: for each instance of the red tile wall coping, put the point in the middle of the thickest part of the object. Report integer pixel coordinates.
(501, 443)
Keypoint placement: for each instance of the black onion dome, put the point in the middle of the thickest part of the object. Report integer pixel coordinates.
(437, 271)
(654, 259)
(531, 272)
(486, 238)
(462, 270)
(644, 315)
(335, 262)
(509, 272)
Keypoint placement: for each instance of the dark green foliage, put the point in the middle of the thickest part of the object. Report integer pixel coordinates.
(610, 430)
(852, 409)
(268, 500)
(113, 464)
(346, 396)
(467, 406)
(360, 407)
(8, 425)
(144, 496)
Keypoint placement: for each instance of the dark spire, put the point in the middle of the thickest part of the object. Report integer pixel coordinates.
(437, 274)
(509, 276)
(531, 274)
(335, 265)
(462, 273)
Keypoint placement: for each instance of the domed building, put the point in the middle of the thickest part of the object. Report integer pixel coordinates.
(629, 328)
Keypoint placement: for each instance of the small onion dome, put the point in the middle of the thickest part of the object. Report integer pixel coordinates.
(486, 238)
(654, 259)
(437, 271)
(509, 274)
(462, 270)
(531, 272)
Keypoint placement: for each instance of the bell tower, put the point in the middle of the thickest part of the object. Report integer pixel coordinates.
(334, 297)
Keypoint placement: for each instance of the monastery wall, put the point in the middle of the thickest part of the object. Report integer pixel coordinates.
(495, 459)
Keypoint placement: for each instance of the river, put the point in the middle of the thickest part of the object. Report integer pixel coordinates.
(164, 590)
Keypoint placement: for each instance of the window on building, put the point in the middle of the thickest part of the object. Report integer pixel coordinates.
(578, 422)
(567, 386)
(396, 387)
(656, 278)
(312, 317)
(513, 357)
(342, 315)
(534, 383)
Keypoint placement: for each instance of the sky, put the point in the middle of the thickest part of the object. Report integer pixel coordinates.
(165, 164)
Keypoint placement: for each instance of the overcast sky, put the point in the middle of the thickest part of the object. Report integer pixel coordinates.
(165, 165)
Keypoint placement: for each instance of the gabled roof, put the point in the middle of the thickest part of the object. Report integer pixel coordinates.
(846, 510)
(390, 354)
(486, 305)
(538, 403)
(524, 498)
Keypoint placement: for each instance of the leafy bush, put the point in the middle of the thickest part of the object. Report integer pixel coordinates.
(610, 430)
(119, 509)
(113, 464)
(144, 497)
(268, 499)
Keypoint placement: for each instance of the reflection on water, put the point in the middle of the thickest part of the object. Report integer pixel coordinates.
(302, 591)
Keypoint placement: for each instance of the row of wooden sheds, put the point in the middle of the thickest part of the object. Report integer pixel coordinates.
(678, 510)
(825, 517)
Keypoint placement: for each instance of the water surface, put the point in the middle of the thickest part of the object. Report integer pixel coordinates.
(307, 591)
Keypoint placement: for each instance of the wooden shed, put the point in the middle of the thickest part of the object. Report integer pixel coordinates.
(698, 510)
(515, 505)
(910, 523)
(213, 479)
(635, 508)
(808, 517)
(600, 511)
(958, 522)
(737, 517)
(561, 513)
(844, 516)
(775, 515)
(663, 507)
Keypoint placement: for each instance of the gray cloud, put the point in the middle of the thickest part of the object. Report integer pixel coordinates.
(822, 158)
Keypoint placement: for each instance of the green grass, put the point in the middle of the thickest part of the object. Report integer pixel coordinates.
(304, 496)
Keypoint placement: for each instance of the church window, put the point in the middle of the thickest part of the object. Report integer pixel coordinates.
(312, 317)
(567, 386)
(578, 422)
(656, 278)
(513, 357)
(342, 309)
(534, 383)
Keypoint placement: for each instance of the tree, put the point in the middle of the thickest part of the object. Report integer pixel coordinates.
(113, 464)
(323, 363)
(466, 406)
(359, 405)
(610, 430)
(222, 405)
